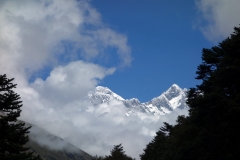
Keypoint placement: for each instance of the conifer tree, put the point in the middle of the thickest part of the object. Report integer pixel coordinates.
(215, 104)
(13, 134)
(211, 131)
(96, 157)
(155, 149)
(117, 153)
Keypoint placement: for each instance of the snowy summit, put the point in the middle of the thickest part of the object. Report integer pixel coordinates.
(174, 97)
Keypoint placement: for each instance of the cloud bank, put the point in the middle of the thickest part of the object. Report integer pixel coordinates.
(49, 47)
(219, 17)
(35, 34)
(60, 105)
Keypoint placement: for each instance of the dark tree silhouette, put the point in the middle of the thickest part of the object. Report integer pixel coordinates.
(13, 134)
(117, 153)
(157, 144)
(211, 131)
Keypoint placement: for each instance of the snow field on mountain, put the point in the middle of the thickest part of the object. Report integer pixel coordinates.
(100, 119)
(173, 98)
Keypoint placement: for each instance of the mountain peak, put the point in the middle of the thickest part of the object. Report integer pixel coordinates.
(171, 99)
(103, 94)
(175, 86)
(102, 89)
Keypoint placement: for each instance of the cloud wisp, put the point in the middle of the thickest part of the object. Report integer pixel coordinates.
(220, 17)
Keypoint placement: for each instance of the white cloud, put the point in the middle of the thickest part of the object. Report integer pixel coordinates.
(67, 83)
(56, 34)
(35, 33)
(39, 33)
(59, 105)
(95, 132)
(221, 16)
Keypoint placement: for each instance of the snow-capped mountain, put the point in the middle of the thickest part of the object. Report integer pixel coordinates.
(174, 97)
(103, 95)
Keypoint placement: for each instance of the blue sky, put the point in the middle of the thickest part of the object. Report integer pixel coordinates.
(165, 41)
(151, 44)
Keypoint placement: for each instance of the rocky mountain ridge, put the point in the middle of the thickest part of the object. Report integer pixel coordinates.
(174, 97)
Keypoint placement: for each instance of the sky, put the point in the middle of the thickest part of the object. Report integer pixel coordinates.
(166, 40)
(59, 50)
(151, 45)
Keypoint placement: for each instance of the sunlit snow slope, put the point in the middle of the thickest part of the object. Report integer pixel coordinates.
(174, 97)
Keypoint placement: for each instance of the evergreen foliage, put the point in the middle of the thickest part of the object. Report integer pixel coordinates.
(211, 131)
(117, 153)
(12, 133)
(157, 144)
(97, 158)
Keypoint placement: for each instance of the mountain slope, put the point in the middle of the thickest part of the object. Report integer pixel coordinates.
(51, 147)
